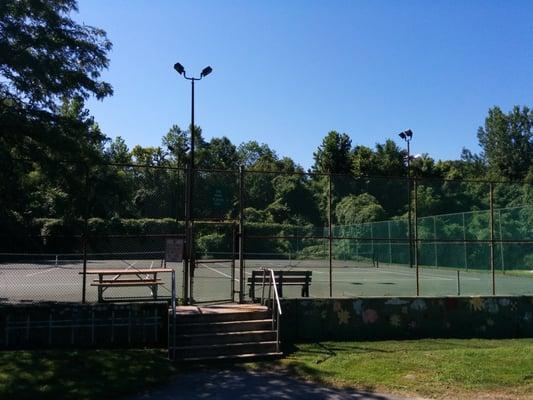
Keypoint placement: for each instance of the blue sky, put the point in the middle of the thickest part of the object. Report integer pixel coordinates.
(287, 72)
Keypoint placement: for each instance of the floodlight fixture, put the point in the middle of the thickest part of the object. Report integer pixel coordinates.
(206, 71)
(179, 68)
(406, 135)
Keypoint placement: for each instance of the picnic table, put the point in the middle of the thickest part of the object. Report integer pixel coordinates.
(135, 277)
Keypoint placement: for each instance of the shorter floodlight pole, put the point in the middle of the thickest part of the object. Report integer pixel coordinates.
(407, 136)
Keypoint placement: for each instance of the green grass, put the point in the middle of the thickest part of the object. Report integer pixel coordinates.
(434, 368)
(445, 368)
(91, 374)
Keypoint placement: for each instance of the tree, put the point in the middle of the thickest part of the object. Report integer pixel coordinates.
(358, 209)
(507, 142)
(176, 142)
(333, 155)
(118, 151)
(386, 160)
(48, 65)
(251, 152)
(46, 56)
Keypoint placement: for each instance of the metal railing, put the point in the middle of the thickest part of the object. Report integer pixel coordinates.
(274, 303)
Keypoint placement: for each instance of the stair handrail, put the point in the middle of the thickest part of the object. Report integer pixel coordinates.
(276, 304)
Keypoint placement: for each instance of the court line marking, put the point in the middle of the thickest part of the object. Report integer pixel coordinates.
(42, 272)
(220, 272)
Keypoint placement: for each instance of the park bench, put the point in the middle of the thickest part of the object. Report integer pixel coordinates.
(283, 278)
(135, 278)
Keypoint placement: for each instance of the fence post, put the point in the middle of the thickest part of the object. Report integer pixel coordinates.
(501, 240)
(491, 201)
(435, 246)
(409, 222)
(233, 257)
(85, 233)
(241, 234)
(186, 260)
(416, 235)
(330, 237)
(390, 244)
(464, 243)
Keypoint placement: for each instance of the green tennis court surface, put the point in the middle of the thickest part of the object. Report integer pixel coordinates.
(212, 280)
(58, 278)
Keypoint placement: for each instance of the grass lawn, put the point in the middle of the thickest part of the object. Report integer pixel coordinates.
(447, 368)
(433, 368)
(91, 374)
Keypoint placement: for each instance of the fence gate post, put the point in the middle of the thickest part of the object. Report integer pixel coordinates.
(415, 216)
(84, 240)
(491, 203)
(330, 236)
(241, 234)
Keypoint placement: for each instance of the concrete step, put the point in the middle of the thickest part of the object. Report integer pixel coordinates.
(222, 317)
(234, 357)
(227, 326)
(225, 337)
(227, 349)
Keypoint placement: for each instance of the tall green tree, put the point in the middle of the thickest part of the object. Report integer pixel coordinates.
(48, 64)
(334, 154)
(507, 142)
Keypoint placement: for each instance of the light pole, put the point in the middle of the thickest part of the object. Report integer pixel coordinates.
(189, 254)
(407, 136)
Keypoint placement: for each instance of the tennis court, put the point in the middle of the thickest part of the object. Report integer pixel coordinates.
(349, 279)
(58, 277)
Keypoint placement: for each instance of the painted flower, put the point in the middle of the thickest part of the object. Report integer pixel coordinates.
(396, 302)
(452, 304)
(370, 316)
(505, 302)
(476, 304)
(405, 310)
(358, 306)
(492, 306)
(490, 322)
(343, 317)
(527, 316)
(337, 306)
(412, 325)
(395, 320)
(419, 305)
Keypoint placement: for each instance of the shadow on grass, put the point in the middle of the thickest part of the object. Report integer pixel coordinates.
(91, 374)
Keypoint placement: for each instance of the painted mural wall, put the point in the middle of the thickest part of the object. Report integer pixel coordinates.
(406, 317)
(64, 325)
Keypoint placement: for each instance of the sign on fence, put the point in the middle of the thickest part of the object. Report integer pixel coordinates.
(174, 250)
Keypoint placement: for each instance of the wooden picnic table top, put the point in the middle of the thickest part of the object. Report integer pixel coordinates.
(130, 271)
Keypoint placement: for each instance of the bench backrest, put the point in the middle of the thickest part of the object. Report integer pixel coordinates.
(285, 276)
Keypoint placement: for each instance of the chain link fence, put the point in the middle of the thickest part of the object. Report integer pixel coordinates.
(359, 236)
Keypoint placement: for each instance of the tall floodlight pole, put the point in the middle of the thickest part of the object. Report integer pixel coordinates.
(189, 254)
(407, 136)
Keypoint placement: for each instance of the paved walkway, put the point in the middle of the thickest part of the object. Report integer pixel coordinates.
(244, 384)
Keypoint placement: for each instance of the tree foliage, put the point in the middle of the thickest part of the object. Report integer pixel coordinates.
(507, 142)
